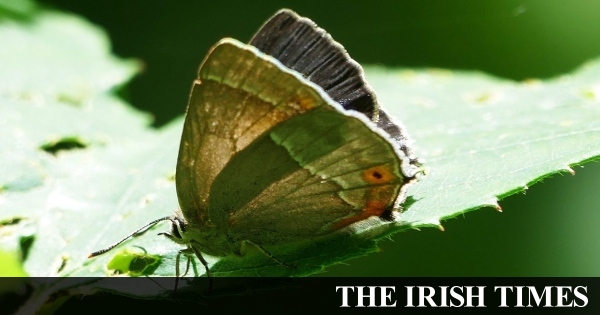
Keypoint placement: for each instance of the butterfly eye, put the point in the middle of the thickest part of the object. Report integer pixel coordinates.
(177, 228)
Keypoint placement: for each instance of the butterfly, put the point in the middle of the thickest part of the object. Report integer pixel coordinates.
(283, 141)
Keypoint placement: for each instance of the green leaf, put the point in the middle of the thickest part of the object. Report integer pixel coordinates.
(484, 138)
(11, 267)
(82, 169)
(17, 8)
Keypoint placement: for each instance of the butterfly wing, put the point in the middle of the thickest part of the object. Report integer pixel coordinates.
(263, 148)
(310, 175)
(240, 93)
(299, 44)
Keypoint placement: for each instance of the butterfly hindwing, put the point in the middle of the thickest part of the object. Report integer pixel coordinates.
(240, 93)
(264, 149)
(323, 168)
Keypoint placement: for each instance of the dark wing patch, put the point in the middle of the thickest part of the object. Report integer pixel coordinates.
(299, 44)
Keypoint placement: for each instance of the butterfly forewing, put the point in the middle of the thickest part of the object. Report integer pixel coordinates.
(240, 93)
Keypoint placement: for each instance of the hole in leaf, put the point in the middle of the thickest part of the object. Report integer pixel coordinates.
(25, 244)
(63, 264)
(133, 264)
(10, 221)
(63, 144)
(408, 202)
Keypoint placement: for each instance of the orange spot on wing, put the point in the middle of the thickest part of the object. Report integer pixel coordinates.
(378, 198)
(379, 174)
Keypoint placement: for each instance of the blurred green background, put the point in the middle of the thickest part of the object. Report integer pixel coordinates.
(550, 231)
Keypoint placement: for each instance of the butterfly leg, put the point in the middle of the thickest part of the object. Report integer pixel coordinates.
(177, 259)
(187, 265)
(203, 261)
(268, 254)
(191, 248)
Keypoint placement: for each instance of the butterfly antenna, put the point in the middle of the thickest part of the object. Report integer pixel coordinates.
(136, 233)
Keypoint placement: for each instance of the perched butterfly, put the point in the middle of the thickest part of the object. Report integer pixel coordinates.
(283, 141)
